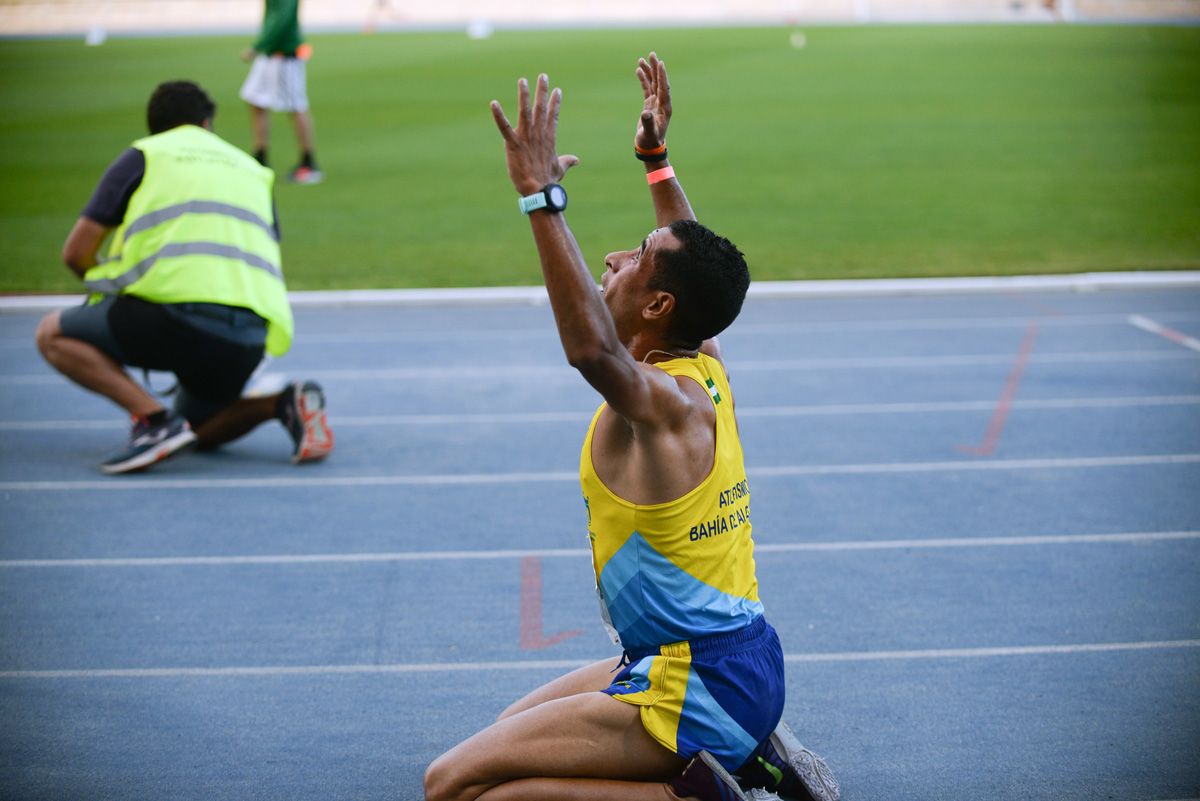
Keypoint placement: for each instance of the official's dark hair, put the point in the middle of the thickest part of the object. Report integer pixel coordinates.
(177, 103)
(708, 277)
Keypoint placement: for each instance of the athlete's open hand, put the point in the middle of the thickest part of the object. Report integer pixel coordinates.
(530, 148)
(656, 110)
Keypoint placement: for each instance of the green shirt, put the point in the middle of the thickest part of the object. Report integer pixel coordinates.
(280, 28)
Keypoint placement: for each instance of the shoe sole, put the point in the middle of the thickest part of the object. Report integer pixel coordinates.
(317, 442)
(762, 794)
(719, 771)
(811, 769)
(161, 451)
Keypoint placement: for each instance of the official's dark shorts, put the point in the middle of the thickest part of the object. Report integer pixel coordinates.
(212, 370)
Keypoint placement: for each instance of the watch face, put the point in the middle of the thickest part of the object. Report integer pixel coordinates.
(558, 196)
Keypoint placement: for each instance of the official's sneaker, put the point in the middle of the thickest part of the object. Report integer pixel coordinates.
(306, 175)
(150, 443)
(302, 410)
(705, 779)
(783, 765)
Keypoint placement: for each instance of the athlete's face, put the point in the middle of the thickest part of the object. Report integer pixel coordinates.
(627, 276)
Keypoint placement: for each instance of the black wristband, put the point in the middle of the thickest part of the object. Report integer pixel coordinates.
(650, 157)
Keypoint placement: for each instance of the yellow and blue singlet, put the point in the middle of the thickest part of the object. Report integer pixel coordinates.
(677, 586)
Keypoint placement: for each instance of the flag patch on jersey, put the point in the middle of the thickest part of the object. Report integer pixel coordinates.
(712, 390)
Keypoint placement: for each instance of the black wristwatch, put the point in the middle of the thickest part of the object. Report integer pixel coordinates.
(552, 198)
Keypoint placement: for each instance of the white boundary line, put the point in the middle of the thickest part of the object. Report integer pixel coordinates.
(536, 295)
(547, 334)
(569, 664)
(747, 412)
(562, 371)
(1169, 334)
(563, 476)
(583, 553)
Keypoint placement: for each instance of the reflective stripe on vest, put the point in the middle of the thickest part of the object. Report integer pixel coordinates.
(198, 207)
(112, 286)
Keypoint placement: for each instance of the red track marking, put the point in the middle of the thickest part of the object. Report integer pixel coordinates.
(1043, 309)
(532, 637)
(991, 436)
(1177, 337)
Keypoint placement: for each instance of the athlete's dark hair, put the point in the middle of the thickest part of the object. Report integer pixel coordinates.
(177, 103)
(708, 277)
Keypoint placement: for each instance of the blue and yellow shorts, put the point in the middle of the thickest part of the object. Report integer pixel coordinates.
(722, 694)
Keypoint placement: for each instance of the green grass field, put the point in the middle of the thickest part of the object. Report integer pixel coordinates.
(871, 152)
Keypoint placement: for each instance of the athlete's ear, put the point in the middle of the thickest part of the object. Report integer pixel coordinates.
(661, 305)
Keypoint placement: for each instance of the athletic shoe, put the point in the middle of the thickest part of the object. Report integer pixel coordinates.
(302, 411)
(705, 779)
(306, 175)
(150, 443)
(761, 794)
(783, 765)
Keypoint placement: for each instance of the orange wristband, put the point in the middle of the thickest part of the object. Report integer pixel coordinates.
(654, 151)
(665, 174)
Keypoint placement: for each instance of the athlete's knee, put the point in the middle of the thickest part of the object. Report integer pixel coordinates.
(513, 708)
(444, 781)
(48, 332)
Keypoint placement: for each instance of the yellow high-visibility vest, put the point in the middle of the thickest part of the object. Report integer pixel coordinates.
(200, 229)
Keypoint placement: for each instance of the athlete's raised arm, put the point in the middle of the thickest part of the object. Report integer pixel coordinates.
(650, 143)
(586, 325)
(650, 147)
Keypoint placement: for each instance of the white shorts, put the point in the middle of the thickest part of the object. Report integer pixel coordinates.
(276, 83)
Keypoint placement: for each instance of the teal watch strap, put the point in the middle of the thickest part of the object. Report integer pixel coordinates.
(533, 202)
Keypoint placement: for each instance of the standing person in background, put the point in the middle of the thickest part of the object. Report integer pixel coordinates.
(277, 82)
(192, 284)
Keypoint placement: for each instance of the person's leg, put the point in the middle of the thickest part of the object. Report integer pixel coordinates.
(92, 368)
(306, 170)
(300, 408)
(82, 344)
(584, 747)
(580, 790)
(260, 126)
(236, 420)
(589, 678)
(305, 137)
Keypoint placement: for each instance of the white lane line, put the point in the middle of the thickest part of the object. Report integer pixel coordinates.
(975, 653)
(743, 328)
(920, 407)
(997, 464)
(473, 479)
(744, 412)
(568, 664)
(583, 553)
(748, 328)
(311, 483)
(953, 360)
(1178, 337)
(513, 372)
(977, 542)
(945, 323)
